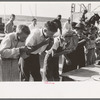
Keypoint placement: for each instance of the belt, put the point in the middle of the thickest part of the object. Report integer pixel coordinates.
(8, 58)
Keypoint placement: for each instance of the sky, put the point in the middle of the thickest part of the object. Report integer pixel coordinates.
(43, 9)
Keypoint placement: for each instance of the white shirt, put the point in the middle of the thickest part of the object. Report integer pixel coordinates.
(67, 26)
(35, 38)
(9, 27)
(31, 26)
(9, 47)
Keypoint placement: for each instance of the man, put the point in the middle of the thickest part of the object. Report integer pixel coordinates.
(80, 54)
(67, 25)
(9, 26)
(58, 22)
(37, 41)
(62, 45)
(12, 47)
(33, 24)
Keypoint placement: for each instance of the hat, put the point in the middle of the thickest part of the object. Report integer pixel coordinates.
(73, 24)
(94, 28)
(80, 26)
(67, 33)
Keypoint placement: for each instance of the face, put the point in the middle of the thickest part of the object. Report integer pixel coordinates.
(59, 18)
(79, 31)
(12, 18)
(48, 33)
(34, 22)
(23, 37)
(67, 39)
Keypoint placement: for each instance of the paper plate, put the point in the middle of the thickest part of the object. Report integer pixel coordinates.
(96, 77)
(97, 65)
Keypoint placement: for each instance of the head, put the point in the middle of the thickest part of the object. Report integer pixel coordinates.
(12, 17)
(94, 30)
(73, 24)
(69, 20)
(80, 28)
(85, 11)
(97, 17)
(67, 34)
(23, 32)
(59, 17)
(50, 28)
(34, 21)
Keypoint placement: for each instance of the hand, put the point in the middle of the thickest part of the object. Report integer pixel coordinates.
(23, 49)
(29, 50)
(48, 40)
(21, 65)
(68, 62)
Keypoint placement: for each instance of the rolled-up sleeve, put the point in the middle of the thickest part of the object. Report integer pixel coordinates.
(6, 50)
(31, 40)
(56, 44)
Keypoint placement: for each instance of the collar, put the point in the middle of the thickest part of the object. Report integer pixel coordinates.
(16, 37)
(43, 34)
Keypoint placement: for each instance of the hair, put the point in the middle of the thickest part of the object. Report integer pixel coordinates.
(34, 19)
(50, 25)
(59, 16)
(12, 15)
(23, 28)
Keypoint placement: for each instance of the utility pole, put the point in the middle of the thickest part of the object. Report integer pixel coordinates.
(35, 9)
(20, 9)
(72, 11)
(4, 13)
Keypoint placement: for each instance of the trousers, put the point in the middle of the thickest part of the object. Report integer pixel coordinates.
(32, 66)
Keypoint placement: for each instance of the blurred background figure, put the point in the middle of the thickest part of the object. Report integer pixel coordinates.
(58, 22)
(9, 26)
(33, 24)
(12, 47)
(67, 25)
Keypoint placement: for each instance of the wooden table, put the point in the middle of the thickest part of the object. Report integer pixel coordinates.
(89, 73)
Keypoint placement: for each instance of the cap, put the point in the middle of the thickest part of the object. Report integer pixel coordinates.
(80, 26)
(73, 24)
(94, 28)
(67, 33)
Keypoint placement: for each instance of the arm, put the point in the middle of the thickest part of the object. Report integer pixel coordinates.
(60, 27)
(82, 42)
(6, 50)
(61, 53)
(6, 28)
(34, 48)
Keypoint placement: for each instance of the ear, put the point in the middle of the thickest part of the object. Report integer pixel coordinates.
(45, 29)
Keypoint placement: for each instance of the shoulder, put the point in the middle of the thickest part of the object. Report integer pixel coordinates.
(7, 23)
(55, 20)
(35, 33)
(9, 37)
(58, 40)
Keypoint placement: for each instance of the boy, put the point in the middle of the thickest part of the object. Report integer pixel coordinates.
(37, 41)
